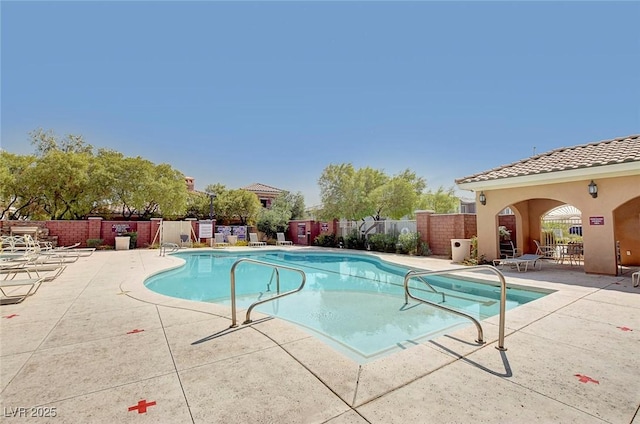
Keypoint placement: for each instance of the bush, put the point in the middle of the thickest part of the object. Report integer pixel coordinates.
(408, 243)
(133, 239)
(423, 249)
(326, 240)
(382, 242)
(354, 240)
(94, 242)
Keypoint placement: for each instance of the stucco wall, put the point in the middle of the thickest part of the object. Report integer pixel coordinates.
(531, 202)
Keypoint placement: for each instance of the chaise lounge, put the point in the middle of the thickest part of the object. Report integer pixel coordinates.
(521, 261)
(282, 241)
(254, 242)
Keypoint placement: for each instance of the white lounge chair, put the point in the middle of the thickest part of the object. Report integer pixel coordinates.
(635, 278)
(47, 272)
(545, 251)
(218, 240)
(11, 297)
(521, 261)
(254, 242)
(282, 241)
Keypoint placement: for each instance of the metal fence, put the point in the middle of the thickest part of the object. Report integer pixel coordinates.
(392, 227)
(563, 224)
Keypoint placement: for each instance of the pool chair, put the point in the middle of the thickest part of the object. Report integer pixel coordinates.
(635, 278)
(282, 241)
(545, 251)
(46, 272)
(521, 263)
(218, 240)
(11, 293)
(254, 242)
(73, 249)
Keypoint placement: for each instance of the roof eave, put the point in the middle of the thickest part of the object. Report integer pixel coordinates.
(603, 171)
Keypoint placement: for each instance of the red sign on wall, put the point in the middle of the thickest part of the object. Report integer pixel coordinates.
(596, 220)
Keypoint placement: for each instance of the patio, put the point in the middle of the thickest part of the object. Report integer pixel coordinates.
(94, 345)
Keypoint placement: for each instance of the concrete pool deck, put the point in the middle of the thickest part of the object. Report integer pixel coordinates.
(95, 346)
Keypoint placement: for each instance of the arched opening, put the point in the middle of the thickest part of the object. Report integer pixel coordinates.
(627, 232)
(562, 224)
(561, 235)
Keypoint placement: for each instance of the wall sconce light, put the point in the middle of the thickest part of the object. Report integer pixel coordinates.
(483, 198)
(593, 189)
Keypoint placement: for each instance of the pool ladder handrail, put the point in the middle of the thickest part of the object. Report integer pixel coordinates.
(428, 285)
(503, 297)
(259, 302)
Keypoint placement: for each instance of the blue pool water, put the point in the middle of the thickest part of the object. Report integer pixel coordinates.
(353, 302)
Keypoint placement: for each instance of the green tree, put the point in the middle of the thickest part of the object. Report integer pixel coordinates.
(197, 205)
(61, 174)
(345, 191)
(165, 193)
(395, 199)
(65, 179)
(245, 205)
(17, 199)
(276, 219)
(440, 201)
(366, 192)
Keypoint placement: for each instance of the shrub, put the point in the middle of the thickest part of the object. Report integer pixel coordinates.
(326, 240)
(382, 242)
(354, 240)
(408, 243)
(133, 239)
(94, 242)
(423, 249)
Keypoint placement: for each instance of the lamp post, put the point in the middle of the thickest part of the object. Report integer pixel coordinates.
(211, 197)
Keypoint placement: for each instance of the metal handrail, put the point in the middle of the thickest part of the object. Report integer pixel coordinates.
(277, 274)
(428, 285)
(503, 297)
(259, 302)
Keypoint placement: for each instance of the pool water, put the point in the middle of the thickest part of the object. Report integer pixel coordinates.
(353, 302)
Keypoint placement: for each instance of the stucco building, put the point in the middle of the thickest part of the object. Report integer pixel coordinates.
(601, 179)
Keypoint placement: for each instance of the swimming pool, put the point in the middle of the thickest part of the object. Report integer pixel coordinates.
(353, 302)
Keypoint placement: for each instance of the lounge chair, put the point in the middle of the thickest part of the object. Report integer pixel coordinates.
(545, 251)
(218, 240)
(635, 278)
(13, 297)
(74, 249)
(46, 272)
(509, 252)
(254, 242)
(282, 241)
(520, 261)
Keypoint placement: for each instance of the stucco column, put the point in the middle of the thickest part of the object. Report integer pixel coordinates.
(487, 219)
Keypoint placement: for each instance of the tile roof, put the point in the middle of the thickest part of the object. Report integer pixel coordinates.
(601, 153)
(262, 188)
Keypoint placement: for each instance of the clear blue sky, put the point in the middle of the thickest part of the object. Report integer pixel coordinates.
(273, 92)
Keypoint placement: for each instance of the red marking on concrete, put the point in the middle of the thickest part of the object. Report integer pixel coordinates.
(135, 331)
(625, 328)
(586, 379)
(10, 316)
(142, 406)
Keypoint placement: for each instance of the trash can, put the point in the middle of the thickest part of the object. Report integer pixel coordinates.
(460, 249)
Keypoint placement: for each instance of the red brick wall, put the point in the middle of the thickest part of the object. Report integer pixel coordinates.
(71, 232)
(438, 230)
